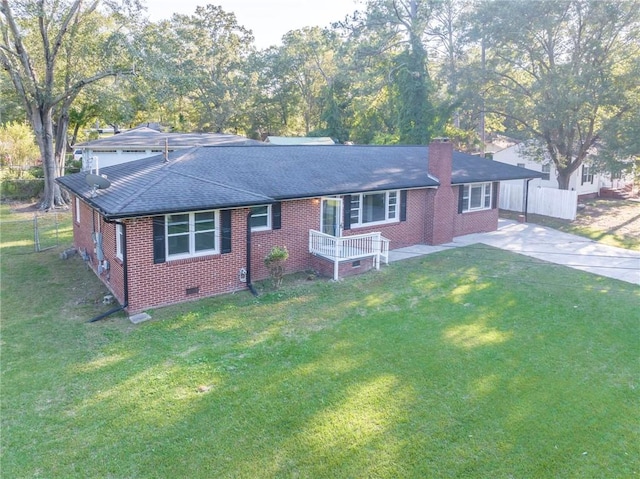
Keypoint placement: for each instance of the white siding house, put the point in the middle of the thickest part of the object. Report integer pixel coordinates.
(143, 142)
(583, 181)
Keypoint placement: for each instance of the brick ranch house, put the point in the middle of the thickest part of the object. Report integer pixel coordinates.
(200, 222)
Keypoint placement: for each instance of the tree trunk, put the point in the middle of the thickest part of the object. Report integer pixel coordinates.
(60, 154)
(62, 127)
(76, 130)
(43, 129)
(563, 179)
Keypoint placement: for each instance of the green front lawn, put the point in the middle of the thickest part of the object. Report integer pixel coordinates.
(468, 363)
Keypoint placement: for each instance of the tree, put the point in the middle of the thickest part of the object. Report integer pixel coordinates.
(206, 67)
(300, 85)
(399, 29)
(561, 71)
(47, 51)
(275, 106)
(11, 108)
(310, 69)
(450, 54)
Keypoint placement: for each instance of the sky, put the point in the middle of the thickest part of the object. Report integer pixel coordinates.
(268, 19)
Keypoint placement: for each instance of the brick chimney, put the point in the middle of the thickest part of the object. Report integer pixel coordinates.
(440, 159)
(441, 203)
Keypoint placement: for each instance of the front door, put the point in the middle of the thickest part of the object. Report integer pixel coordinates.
(331, 220)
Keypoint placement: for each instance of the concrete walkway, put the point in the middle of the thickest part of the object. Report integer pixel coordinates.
(546, 244)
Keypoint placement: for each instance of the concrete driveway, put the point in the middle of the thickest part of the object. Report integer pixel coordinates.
(546, 244)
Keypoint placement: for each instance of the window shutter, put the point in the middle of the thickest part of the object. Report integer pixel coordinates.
(403, 205)
(158, 239)
(225, 231)
(276, 216)
(460, 198)
(346, 212)
(494, 194)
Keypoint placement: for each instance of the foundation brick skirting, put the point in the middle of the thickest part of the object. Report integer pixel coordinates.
(324, 267)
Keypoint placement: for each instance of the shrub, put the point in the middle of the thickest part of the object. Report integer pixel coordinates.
(274, 262)
(18, 146)
(23, 190)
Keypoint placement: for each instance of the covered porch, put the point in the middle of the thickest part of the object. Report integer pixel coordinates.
(339, 249)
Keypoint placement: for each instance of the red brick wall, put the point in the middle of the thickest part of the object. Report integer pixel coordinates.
(90, 222)
(442, 202)
(153, 285)
(403, 233)
(82, 230)
(442, 207)
(324, 267)
(298, 217)
(167, 283)
(441, 160)
(476, 221)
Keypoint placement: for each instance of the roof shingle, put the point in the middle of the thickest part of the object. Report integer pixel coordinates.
(231, 176)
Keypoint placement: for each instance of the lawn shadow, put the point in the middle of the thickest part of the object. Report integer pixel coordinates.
(442, 366)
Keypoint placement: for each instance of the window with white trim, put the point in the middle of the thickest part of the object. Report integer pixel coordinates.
(374, 208)
(192, 234)
(476, 197)
(119, 241)
(261, 218)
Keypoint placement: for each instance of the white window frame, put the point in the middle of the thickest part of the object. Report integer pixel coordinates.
(266, 227)
(119, 242)
(486, 196)
(391, 208)
(192, 253)
(77, 204)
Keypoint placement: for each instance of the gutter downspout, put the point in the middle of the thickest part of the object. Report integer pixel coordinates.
(526, 198)
(249, 283)
(125, 269)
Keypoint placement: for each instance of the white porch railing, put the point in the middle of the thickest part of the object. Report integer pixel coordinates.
(347, 248)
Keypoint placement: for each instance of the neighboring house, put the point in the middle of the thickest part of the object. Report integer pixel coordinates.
(201, 222)
(584, 181)
(143, 142)
(299, 140)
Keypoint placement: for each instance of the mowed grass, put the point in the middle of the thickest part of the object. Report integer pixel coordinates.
(468, 363)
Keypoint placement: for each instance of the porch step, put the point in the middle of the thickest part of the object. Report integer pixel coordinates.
(617, 193)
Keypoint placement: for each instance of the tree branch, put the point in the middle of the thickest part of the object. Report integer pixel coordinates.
(75, 89)
(516, 119)
(19, 51)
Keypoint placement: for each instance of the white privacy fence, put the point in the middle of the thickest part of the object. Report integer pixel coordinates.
(542, 201)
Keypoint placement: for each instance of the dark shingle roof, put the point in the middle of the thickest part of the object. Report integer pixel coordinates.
(144, 137)
(475, 169)
(224, 177)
